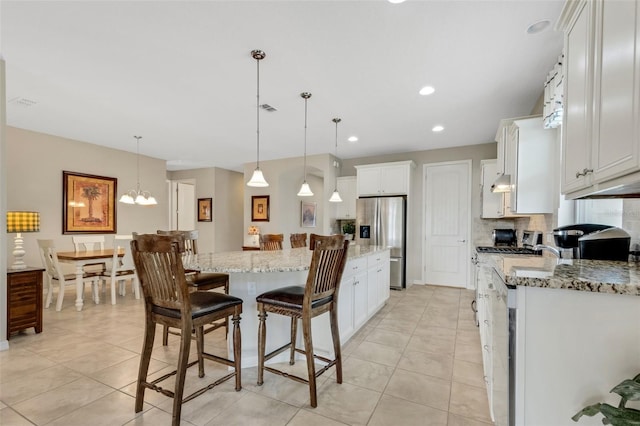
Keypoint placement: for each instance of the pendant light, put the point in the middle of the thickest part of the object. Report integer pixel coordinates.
(335, 197)
(305, 190)
(136, 196)
(257, 179)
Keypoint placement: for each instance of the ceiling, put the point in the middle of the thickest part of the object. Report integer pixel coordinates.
(180, 74)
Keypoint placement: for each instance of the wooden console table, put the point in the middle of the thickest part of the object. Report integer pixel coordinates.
(24, 299)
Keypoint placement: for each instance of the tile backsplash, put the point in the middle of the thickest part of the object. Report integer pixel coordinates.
(482, 227)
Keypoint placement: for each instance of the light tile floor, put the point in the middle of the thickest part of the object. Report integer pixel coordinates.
(417, 362)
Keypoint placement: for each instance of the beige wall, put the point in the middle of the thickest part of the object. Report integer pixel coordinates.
(415, 228)
(285, 177)
(224, 232)
(34, 177)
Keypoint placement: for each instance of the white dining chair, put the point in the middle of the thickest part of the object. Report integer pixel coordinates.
(90, 243)
(122, 268)
(54, 272)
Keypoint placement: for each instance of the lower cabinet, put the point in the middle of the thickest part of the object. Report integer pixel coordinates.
(364, 289)
(485, 323)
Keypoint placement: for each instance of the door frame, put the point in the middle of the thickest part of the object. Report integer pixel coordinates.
(423, 262)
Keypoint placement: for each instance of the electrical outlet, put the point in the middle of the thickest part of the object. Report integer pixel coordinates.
(251, 288)
(549, 238)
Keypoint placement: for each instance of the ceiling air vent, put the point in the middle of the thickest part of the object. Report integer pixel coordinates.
(268, 107)
(22, 102)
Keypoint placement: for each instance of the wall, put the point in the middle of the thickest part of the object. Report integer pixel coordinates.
(34, 175)
(225, 231)
(415, 226)
(285, 177)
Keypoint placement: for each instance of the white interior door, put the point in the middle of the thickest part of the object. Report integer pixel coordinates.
(186, 210)
(447, 212)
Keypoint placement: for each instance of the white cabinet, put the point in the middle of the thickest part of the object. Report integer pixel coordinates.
(483, 305)
(530, 160)
(601, 127)
(378, 281)
(492, 202)
(347, 188)
(384, 178)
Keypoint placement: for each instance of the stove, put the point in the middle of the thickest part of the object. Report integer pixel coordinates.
(509, 250)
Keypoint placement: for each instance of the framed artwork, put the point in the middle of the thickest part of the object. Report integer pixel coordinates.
(308, 214)
(260, 208)
(204, 209)
(88, 204)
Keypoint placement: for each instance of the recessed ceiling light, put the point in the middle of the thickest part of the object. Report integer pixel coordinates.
(396, 1)
(538, 27)
(427, 90)
(437, 128)
(353, 139)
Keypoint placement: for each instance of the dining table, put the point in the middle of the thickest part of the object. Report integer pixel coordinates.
(80, 259)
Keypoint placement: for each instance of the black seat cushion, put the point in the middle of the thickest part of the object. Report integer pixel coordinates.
(289, 297)
(202, 303)
(206, 279)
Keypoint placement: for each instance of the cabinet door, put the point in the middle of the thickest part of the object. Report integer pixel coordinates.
(345, 309)
(384, 279)
(394, 180)
(576, 126)
(360, 299)
(501, 140)
(347, 188)
(616, 74)
(492, 206)
(368, 181)
(372, 288)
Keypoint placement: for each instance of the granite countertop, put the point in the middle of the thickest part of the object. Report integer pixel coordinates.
(597, 276)
(287, 260)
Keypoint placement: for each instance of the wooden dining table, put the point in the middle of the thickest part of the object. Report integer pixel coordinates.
(80, 259)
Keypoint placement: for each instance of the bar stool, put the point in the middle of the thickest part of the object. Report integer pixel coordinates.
(319, 295)
(271, 241)
(168, 301)
(199, 281)
(298, 240)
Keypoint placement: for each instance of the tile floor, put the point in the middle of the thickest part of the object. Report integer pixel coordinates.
(417, 362)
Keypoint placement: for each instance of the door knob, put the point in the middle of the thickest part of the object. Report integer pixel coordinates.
(462, 241)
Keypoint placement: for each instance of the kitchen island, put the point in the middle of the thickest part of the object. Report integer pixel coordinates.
(364, 290)
(577, 335)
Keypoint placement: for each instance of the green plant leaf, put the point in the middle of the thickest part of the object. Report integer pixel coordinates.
(628, 389)
(620, 416)
(590, 411)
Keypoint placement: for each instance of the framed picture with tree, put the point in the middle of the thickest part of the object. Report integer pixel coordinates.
(88, 204)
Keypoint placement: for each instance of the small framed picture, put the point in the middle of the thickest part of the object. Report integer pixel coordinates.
(260, 208)
(308, 214)
(204, 209)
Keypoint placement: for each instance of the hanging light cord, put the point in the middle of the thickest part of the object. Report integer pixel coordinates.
(138, 163)
(258, 114)
(305, 138)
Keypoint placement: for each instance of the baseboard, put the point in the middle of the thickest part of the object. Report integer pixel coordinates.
(4, 345)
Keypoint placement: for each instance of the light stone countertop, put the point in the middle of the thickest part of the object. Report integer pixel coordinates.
(255, 261)
(597, 276)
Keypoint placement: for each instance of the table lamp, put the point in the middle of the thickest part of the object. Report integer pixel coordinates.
(19, 222)
(254, 236)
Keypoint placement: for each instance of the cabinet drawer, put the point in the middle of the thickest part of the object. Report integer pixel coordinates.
(355, 266)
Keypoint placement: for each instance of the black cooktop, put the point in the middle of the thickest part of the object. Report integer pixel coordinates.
(509, 250)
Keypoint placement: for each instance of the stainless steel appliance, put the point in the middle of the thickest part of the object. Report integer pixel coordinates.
(504, 237)
(592, 241)
(381, 221)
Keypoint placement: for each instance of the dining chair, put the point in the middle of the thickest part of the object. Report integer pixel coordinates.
(319, 295)
(169, 301)
(90, 243)
(271, 241)
(198, 281)
(54, 272)
(312, 241)
(298, 240)
(122, 268)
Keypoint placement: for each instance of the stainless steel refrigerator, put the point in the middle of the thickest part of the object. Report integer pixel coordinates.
(381, 221)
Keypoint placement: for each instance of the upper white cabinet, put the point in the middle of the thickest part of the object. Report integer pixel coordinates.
(492, 202)
(530, 160)
(384, 178)
(347, 188)
(601, 143)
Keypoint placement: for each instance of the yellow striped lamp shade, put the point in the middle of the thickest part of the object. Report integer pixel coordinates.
(23, 222)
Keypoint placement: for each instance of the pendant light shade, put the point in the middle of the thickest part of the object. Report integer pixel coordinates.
(305, 190)
(335, 197)
(257, 179)
(136, 196)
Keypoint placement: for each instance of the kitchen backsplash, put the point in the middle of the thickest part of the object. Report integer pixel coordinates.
(542, 222)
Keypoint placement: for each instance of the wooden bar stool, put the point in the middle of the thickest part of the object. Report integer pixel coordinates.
(271, 241)
(199, 281)
(319, 295)
(298, 240)
(168, 301)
